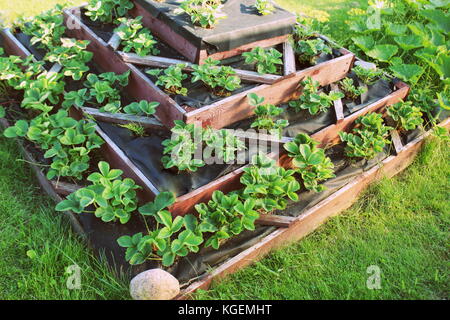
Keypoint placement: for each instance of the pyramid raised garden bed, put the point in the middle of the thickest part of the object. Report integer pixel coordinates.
(221, 111)
(139, 157)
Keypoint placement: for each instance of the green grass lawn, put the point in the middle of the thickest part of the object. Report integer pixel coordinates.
(400, 225)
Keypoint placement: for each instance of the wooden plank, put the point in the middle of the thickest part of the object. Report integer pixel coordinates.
(163, 31)
(11, 44)
(244, 48)
(314, 217)
(162, 62)
(398, 145)
(115, 40)
(275, 220)
(288, 58)
(338, 107)
(64, 188)
(121, 118)
(330, 135)
(139, 86)
(236, 107)
(55, 68)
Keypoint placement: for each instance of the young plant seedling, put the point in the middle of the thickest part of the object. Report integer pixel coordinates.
(266, 60)
(367, 76)
(225, 216)
(171, 78)
(350, 91)
(268, 184)
(310, 162)
(135, 38)
(308, 51)
(107, 11)
(109, 196)
(222, 80)
(137, 129)
(407, 116)
(367, 140)
(203, 13)
(176, 237)
(313, 100)
(264, 7)
(265, 114)
(72, 56)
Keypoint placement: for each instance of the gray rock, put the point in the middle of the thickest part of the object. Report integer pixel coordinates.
(154, 284)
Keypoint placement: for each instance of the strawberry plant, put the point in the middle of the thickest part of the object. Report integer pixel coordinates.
(313, 100)
(350, 91)
(43, 92)
(367, 140)
(225, 216)
(310, 161)
(66, 141)
(368, 76)
(205, 14)
(187, 139)
(268, 184)
(176, 237)
(72, 55)
(180, 149)
(265, 114)
(308, 51)
(221, 79)
(110, 197)
(264, 7)
(141, 108)
(407, 116)
(45, 29)
(107, 10)
(266, 60)
(135, 38)
(223, 143)
(171, 78)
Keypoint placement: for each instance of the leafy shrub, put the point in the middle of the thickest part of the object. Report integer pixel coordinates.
(265, 115)
(221, 79)
(349, 89)
(408, 37)
(264, 7)
(313, 100)
(171, 78)
(176, 238)
(266, 60)
(135, 38)
(406, 115)
(310, 161)
(368, 140)
(268, 184)
(225, 216)
(205, 14)
(112, 198)
(107, 10)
